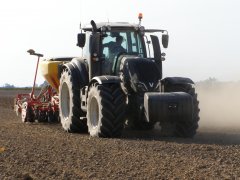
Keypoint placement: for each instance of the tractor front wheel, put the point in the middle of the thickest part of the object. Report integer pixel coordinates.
(105, 110)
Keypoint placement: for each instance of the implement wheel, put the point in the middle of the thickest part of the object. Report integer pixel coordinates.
(27, 113)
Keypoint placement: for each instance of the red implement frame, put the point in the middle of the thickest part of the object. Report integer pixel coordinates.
(44, 107)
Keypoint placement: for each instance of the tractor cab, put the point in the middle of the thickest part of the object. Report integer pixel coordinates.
(109, 43)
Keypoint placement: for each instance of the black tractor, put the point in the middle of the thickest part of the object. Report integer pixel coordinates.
(118, 83)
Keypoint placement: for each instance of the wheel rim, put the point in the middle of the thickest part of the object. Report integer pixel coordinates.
(65, 101)
(94, 112)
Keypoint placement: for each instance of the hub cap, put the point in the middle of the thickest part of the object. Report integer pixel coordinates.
(65, 101)
(94, 112)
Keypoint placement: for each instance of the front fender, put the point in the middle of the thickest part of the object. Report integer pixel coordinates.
(105, 80)
(174, 84)
(176, 81)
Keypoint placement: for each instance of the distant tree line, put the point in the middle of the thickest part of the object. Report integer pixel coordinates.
(11, 86)
(6, 85)
(213, 83)
(210, 81)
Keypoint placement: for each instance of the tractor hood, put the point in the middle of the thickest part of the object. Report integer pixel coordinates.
(139, 75)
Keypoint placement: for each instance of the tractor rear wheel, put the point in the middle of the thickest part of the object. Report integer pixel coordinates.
(105, 110)
(182, 127)
(69, 104)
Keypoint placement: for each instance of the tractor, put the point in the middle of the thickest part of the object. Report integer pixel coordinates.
(118, 83)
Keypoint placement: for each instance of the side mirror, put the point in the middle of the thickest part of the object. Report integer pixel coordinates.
(165, 38)
(156, 48)
(81, 40)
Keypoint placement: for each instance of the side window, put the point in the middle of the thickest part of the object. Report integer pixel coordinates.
(149, 47)
(106, 40)
(136, 44)
(85, 52)
(124, 43)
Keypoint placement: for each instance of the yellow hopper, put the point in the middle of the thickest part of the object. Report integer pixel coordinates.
(49, 69)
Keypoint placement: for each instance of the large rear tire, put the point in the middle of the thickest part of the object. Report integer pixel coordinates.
(105, 110)
(69, 104)
(182, 127)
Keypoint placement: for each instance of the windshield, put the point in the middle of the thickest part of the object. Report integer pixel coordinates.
(116, 43)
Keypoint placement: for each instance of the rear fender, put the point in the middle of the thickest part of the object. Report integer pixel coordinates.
(78, 68)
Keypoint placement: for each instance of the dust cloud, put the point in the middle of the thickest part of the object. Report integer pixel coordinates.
(219, 104)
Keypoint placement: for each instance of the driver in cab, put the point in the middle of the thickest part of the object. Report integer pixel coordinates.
(115, 48)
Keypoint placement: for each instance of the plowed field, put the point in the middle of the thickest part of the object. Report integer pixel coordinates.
(45, 151)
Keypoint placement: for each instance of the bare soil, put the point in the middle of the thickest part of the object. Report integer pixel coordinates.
(45, 151)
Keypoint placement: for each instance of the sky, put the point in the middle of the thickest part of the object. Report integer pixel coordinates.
(204, 34)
